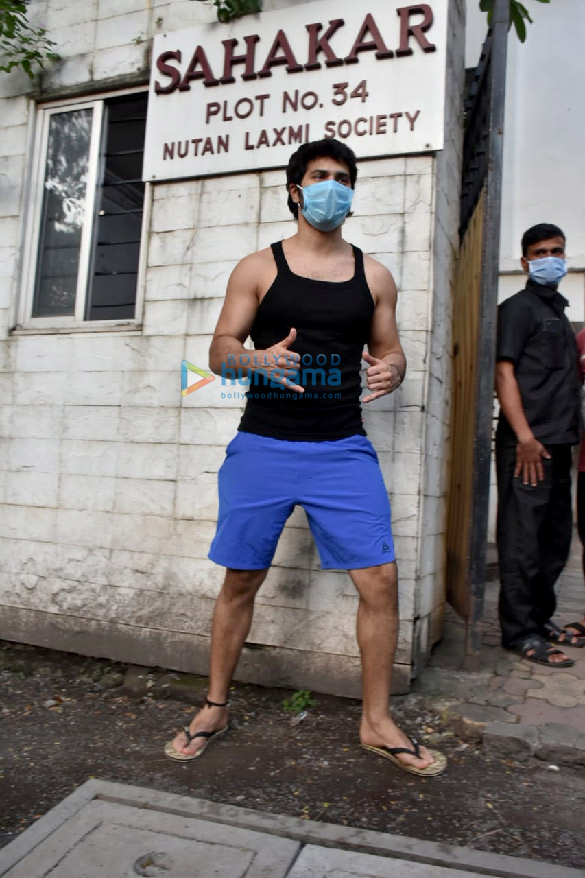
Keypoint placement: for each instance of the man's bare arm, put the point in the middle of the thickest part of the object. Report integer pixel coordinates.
(386, 357)
(235, 322)
(236, 317)
(529, 451)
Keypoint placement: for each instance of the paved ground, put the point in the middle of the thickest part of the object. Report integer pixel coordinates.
(509, 702)
(105, 829)
(515, 785)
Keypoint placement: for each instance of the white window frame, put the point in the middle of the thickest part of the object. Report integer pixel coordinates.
(76, 321)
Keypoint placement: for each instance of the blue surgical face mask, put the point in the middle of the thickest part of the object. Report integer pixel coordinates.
(547, 270)
(326, 204)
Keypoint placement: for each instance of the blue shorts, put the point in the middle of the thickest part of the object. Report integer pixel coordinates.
(339, 484)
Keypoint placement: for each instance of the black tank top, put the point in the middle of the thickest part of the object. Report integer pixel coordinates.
(333, 324)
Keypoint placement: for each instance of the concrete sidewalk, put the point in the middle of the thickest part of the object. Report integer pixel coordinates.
(517, 708)
(106, 829)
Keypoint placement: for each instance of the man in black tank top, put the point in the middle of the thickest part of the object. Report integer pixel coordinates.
(310, 304)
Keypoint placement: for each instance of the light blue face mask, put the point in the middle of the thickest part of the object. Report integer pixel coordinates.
(547, 270)
(326, 204)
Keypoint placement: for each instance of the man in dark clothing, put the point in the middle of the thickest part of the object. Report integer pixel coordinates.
(538, 388)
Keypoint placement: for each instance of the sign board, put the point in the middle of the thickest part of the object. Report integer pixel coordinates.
(226, 98)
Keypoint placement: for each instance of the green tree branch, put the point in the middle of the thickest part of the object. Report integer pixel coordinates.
(230, 9)
(519, 15)
(22, 45)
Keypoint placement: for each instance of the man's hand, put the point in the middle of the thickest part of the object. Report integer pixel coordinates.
(382, 377)
(529, 451)
(529, 454)
(279, 363)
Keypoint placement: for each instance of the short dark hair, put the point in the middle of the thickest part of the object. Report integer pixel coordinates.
(328, 147)
(540, 232)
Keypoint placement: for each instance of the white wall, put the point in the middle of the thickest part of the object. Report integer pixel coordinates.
(544, 133)
(109, 482)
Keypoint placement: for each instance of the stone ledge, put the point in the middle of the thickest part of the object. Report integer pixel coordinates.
(510, 741)
(560, 743)
(555, 742)
(429, 855)
(188, 653)
(472, 720)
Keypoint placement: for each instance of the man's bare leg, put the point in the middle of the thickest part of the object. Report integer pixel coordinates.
(232, 619)
(377, 634)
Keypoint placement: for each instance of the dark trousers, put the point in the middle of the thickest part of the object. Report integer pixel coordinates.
(534, 537)
(581, 513)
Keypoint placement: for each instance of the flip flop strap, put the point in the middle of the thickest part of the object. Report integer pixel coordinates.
(414, 752)
(191, 737)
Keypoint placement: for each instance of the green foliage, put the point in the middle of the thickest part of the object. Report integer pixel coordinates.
(22, 45)
(519, 15)
(230, 9)
(299, 700)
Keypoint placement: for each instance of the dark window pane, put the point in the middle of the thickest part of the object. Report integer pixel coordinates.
(62, 213)
(122, 166)
(120, 285)
(120, 202)
(115, 259)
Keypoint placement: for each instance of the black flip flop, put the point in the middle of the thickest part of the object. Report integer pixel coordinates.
(436, 767)
(172, 753)
(189, 757)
